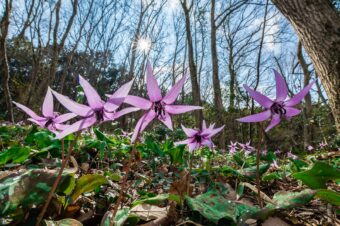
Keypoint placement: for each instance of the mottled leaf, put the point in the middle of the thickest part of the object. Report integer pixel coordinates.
(88, 183)
(329, 196)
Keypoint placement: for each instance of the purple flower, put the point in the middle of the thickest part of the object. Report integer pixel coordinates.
(264, 152)
(198, 138)
(277, 152)
(274, 164)
(97, 110)
(310, 148)
(291, 155)
(277, 109)
(50, 119)
(158, 106)
(232, 147)
(247, 148)
(323, 144)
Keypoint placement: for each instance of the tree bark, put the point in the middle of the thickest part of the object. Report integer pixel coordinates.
(196, 94)
(4, 24)
(307, 127)
(317, 24)
(216, 81)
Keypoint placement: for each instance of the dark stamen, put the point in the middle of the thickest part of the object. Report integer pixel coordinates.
(158, 107)
(100, 115)
(278, 108)
(198, 138)
(49, 122)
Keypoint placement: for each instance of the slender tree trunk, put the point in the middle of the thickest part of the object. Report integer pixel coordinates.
(216, 81)
(317, 24)
(307, 127)
(4, 67)
(196, 94)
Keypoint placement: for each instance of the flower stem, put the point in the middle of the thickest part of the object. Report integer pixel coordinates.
(57, 180)
(258, 180)
(189, 174)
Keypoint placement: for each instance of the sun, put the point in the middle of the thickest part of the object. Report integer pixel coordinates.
(144, 44)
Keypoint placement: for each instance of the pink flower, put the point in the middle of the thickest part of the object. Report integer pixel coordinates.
(274, 164)
(97, 110)
(247, 148)
(323, 144)
(198, 138)
(277, 109)
(310, 148)
(50, 119)
(157, 106)
(232, 147)
(291, 155)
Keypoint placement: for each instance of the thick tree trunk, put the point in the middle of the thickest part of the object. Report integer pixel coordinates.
(196, 94)
(307, 127)
(216, 81)
(4, 24)
(317, 24)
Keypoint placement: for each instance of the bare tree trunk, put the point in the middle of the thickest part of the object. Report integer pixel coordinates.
(216, 81)
(196, 94)
(317, 24)
(307, 127)
(4, 24)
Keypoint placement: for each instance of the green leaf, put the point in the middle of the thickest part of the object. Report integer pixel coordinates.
(318, 175)
(214, 207)
(157, 199)
(329, 196)
(15, 154)
(63, 222)
(272, 176)
(121, 216)
(239, 190)
(287, 200)
(28, 188)
(88, 183)
(101, 136)
(250, 172)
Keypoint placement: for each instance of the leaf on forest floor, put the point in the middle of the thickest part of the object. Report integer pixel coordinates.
(318, 175)
(329, 196)
(147, 212)
(88, 183)
(63, 222)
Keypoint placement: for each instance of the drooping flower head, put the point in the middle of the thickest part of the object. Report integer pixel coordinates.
(97, 110)
(323, 144)
(158, 106)
(50, 119)
(199, 138)
(277, 109)
(232, 147)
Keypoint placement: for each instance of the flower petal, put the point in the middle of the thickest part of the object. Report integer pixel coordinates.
(172, 95)
(142, 124)
(204, 125)
(29, 111)
(166, 119)
(179, 109)
(215, 131)
(189, 132)
(77, 126)
(259, 98)
(39, 123)
(138, 102)
(47, 107)
(259, 117)
(274, 122)
(193, 146)
(148, 118)
(113, 116)
(79, 109)
(154, 91)
(60, 126)
(91, 94)
(187, 141)
(298, 97)
(116, 99)
(207, 142)
(281, 87)
(64, 117)
(290, 111)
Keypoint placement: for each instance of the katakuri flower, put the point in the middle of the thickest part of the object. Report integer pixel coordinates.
(50, 119)
(323, 144)
(232, 147)
(291, 155)
(247, 148)
(310, 148)
(274, 164)
(158, 106)
(277, 109)
(97, 110)
(198, 138)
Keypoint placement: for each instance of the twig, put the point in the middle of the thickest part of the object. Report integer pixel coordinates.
(263, 195)
(57, 180)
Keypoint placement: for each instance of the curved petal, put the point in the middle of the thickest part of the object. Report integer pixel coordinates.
(290, 111)
(207, 142)
(259, 117)
(79, 109)
(189, 132)
(142, 123)
(28, 111)
(77, 126)
(281, 87)
(166, 119)
(138, 102)
(259, 98)
(116, 99)
(148, 118)
(172, 95)
(193, 146)
(60, 126)
(39, 123)
(298, 97)
(274, 122)
(187, 141)
(91, 94)
(64, 117)
(215, 131)
(152, 87)
(113, 116)
(204, 125)
(47, 107)
(179, 109)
